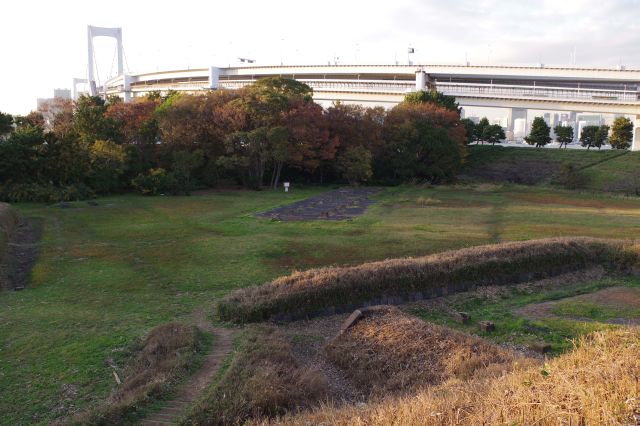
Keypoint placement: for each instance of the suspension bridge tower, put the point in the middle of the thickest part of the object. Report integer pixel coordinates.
(102, 32)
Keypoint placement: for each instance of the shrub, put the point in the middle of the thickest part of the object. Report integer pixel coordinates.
(264, 380)
(311, 292)
(168, 353)
(44, 192)
(155, 182)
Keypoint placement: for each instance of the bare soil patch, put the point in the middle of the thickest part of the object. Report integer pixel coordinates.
(621, 299)
(343, 203)
(22, 253)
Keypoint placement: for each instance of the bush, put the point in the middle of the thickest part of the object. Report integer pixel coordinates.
(314, 291)
(155, 182)
(264, 380)
(46, 193)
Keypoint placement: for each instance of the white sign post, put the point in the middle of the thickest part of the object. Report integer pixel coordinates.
(286, 187)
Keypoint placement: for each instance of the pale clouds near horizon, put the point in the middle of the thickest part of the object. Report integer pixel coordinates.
(45, 41)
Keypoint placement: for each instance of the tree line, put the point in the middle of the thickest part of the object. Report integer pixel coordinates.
(619, 136)
(256, 136)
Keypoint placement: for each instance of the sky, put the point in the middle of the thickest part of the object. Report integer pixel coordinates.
(45, 42)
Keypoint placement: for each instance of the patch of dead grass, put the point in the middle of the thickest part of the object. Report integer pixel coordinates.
(598, 383)
(389, 351)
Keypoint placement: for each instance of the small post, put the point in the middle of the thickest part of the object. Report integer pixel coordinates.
(286, 186)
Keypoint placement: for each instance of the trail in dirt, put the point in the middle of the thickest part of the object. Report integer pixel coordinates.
(22, 253)
(309, 338)
(189, 392)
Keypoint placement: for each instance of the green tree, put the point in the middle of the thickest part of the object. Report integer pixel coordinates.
(6, 124)
(470, 127)
(355, 164)
(480, 130)
(539, 135)
(621, 133)
(602, 136)
(493, 133)
(107, 166)
(433, 97)
(564, 134)
(588, 136)
(90, 121)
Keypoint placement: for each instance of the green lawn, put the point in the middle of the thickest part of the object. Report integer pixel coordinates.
(108, 274)
(511, 328)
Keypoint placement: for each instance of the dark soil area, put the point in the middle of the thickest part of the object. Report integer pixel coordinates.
(22, 253)
(343, 203)
(524, 171)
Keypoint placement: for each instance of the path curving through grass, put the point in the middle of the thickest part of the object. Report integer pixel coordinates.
(190, 391)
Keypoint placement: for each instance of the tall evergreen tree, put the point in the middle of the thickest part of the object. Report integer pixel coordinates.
(539, 135)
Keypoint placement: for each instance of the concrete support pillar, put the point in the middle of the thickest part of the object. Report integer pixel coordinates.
(635, 144)
(512, 116)
(126, 87)
(214, 77)
(421, 80)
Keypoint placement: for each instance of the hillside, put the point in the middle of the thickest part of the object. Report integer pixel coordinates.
(614, 171)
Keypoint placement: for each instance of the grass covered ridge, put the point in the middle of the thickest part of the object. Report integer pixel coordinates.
(168, 353)
(595, 384)
(389, 351)
(317, 289)
(263, 380)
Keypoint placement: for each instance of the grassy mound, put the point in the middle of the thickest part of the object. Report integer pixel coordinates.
(609, 171)
(595, 384)
(262, 381)
(389, 351)
(326, 290)
(167, 355)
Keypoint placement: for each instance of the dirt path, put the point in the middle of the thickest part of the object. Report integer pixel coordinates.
(189, 392)
(309, 338)
(621, 299)
(22, 253)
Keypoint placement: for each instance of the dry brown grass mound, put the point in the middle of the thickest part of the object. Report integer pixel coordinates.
(598, 383)
(263, 380)
(167, 354)
(315, 290)
(389, 351)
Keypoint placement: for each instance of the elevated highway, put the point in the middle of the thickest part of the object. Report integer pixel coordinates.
(596, 90)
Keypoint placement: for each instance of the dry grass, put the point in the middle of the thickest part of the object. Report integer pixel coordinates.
(168, 353)
(316, 289)
(389, 351)
(598, 383)
(263, 380)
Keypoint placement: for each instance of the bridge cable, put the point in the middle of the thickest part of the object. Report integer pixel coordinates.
(124, 53)
(113, 61)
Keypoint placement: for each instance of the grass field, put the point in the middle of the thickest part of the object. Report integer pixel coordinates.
(109, 274)
(601, 170)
